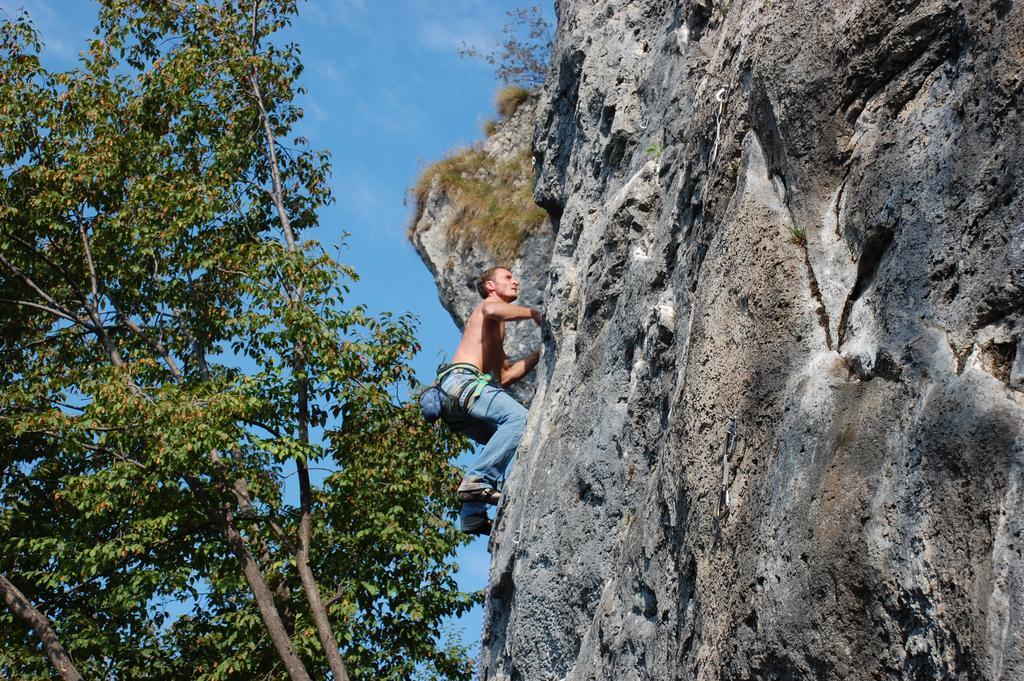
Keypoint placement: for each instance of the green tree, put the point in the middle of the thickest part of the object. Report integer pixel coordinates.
(174, 352)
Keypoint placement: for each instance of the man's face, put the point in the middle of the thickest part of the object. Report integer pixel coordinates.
(505, 285)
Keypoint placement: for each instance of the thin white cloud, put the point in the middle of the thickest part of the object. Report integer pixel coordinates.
(38, 8)
(391, 112)
(348, 13)
(350, 8)
(56, 34)
(455, 7)
(361, 194)
(447, 36)
(329, 71)
(314, 112)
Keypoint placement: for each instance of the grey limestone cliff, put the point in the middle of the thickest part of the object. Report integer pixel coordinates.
(779, 423)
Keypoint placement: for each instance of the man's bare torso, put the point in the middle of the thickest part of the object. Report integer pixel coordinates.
(482, 344)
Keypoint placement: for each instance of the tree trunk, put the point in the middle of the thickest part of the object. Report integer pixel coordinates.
(37, 622)
(260, 591)
(309, 585)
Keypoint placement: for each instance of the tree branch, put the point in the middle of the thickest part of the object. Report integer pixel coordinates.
(46, 308)
(92, 267)
(240, 490)
(339, 593)
(154, 344)
(260, 591)
(96, 326)
(275, 172)
(38, 622)
(49, 261)
(270, 429)
(94, 308)
(309, 585)
(57, 336)
(65, 312)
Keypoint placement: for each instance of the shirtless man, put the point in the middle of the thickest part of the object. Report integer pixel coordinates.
(475, 403)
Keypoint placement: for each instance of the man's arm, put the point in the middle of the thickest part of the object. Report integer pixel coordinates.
(507, 312)
(512, 372)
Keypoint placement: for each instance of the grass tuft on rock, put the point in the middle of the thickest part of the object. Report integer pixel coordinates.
(797, 235)
(509, 99)
(492, 199)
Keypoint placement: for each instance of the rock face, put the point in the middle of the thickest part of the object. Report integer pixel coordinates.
(456, 264)
(779, 423)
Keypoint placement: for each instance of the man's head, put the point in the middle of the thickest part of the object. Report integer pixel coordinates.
(498, 281)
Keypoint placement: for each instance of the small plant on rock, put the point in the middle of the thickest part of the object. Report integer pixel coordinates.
(509, 99)
(654, 150)
(798, 235)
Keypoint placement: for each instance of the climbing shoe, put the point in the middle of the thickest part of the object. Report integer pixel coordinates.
(477, 489)
(476, 524)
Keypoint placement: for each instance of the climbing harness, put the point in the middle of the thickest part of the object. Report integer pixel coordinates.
(469, 392)
(465, 396)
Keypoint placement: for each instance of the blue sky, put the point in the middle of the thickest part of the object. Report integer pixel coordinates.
(387, 94)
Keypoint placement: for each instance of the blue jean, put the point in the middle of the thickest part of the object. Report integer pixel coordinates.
(495, 420)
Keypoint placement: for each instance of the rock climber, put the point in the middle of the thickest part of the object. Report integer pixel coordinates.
(473, 400)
